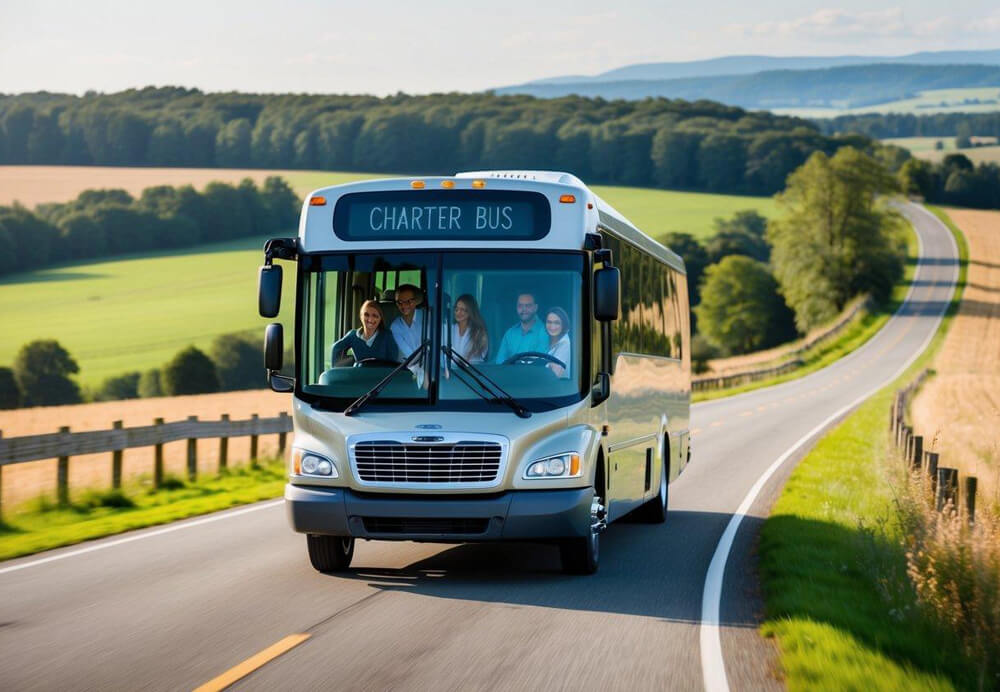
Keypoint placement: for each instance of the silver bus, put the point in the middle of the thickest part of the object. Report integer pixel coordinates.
(496, 355)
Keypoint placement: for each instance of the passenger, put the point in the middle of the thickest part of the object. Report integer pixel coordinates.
(557, 326)
(371, 340)
(468, 333)
(526, 336)
(408, 328)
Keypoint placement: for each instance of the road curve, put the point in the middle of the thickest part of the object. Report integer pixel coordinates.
(175, 608)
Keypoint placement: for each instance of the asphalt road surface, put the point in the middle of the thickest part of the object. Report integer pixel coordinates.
(178, 607)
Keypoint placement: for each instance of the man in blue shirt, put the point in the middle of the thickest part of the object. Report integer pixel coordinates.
(528, 335)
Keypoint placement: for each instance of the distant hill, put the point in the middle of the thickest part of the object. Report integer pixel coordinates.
(750, 64)
(849, 86)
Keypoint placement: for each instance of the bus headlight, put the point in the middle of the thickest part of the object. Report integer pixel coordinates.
(312, 464)
(559, 466)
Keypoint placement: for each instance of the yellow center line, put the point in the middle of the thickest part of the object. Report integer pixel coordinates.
(715, 424)
(747, 413)
(253, 663)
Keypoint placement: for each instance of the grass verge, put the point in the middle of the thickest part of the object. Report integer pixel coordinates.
(863, 327)
(41, 525)
(833, 567)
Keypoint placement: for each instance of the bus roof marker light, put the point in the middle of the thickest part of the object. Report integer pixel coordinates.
(418, 184)
(447, 184)
(479, 184)
(317, 201)
(590, 205)
(567, 199)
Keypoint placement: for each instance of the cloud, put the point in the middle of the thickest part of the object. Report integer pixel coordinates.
(829, 23)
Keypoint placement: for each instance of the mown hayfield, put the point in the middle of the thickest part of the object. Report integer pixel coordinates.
(655, 211)
(958, 410)
(963, 100)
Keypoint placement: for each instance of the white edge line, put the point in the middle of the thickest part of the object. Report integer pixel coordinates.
(713, 665)
(140, 536)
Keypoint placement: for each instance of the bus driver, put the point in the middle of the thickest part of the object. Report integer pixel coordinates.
(526, 336)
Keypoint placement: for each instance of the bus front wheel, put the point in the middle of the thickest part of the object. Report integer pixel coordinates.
(582, 555)
(330, 553)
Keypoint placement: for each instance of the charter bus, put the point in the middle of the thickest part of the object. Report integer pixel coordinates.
(491, 356)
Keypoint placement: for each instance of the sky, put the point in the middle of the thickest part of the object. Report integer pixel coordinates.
(423, 46)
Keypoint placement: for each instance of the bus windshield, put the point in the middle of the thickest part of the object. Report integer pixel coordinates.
(518, 318)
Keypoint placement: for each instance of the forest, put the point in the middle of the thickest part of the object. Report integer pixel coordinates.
(660, 142)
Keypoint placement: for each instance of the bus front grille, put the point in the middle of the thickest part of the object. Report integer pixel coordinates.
(389, 461)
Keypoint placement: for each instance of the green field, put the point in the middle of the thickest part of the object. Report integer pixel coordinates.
(970, 100)
(135, 313)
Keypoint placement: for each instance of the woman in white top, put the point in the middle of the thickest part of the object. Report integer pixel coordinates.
(468, 332)
(557, 327)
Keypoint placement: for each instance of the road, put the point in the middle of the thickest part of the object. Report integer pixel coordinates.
(175, 608)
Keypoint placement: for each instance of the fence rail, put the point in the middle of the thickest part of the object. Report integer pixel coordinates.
(942, 480)
(65, 444)
(700, 384)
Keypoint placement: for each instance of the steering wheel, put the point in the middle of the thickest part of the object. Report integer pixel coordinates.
(376, 363)
(533, 358)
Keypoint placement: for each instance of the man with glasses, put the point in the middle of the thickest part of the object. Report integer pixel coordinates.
(526, 336)
(408, 328)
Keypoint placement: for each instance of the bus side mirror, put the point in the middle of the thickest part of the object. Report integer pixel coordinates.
(601, 389)
(269, 290)
(607, 294)
(274, 348)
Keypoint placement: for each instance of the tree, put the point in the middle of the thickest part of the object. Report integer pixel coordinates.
(743, 234)
(119, 387)
(189, 372)
(695, 259)
(239, 361)
(149, 384)
(741, 309)
(10, 392)
(674, 156)
(916, 177)
(42, 369)
(836, 237)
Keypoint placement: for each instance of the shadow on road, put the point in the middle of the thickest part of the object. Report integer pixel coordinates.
(640, 572)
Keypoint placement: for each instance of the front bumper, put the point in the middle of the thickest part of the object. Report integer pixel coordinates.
(511, 515)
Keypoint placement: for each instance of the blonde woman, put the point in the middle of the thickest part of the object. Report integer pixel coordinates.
(468, 332)
(371, 341)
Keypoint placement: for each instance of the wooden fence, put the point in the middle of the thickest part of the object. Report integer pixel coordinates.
(701, 384)
(943, 480)
(64, 444)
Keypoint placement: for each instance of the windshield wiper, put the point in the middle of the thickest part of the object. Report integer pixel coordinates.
(374, 391)
(495, 391)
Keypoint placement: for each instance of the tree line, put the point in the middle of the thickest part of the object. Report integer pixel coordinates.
(886, 125)
(99, 223)
(756, 284)
(955, 180)
(653, 142)
(43, 373)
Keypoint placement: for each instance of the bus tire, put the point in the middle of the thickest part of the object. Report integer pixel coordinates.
(582, 555)
(330, 553)
(655, 511)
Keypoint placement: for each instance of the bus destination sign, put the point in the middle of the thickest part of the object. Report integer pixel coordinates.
(440, 215)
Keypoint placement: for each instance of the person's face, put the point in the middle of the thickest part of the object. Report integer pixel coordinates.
(461, 312)
(370, 318)
(553, 325)
(407, 303)
(527, 308)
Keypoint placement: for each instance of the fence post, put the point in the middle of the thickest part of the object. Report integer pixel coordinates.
(970, 498)
(947, 487)
(62, 476)
(908, 443)
(932, 471)
(116, 461)
(253, 439)
(192, 453)
(158, 456)
(224, 446)
(282, 436)
(918, 452)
